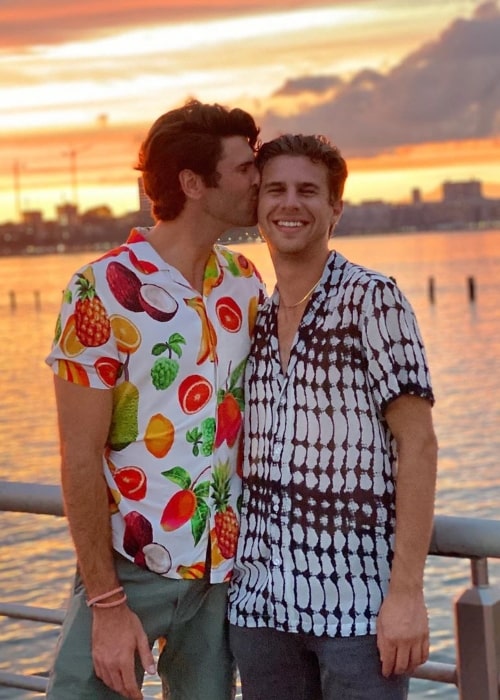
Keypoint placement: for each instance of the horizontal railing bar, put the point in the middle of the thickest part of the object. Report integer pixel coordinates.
(471, 538)
(29, 612)
(461, 537)
(437, 671)
(37, 684)
(452, 535)
(24, 497)
(433, 671)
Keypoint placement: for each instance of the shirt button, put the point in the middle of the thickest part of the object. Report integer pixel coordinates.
(276, 452)
(276, 561)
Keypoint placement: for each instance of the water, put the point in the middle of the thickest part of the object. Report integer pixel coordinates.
(463, 344)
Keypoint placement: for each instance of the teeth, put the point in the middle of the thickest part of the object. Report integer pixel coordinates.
(289, 224)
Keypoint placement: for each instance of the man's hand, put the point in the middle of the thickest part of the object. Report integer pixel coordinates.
(117, 636)
(402, 633)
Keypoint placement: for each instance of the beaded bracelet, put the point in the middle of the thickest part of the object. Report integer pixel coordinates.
(103, 596)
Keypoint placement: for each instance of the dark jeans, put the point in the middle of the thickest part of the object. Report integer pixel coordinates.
(288, 666)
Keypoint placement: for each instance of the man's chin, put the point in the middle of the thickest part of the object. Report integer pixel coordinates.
(251, 221)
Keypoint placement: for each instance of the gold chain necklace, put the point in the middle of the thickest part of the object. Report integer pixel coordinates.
(306, 296)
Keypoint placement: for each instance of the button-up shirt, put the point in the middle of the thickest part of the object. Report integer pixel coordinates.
(318, 510)
(174, 360)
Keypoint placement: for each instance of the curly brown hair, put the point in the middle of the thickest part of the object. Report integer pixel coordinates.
(189, 137)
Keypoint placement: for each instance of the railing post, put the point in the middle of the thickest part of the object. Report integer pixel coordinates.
(477, 632)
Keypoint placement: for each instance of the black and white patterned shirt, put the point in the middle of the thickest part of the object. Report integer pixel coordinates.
(318, 507)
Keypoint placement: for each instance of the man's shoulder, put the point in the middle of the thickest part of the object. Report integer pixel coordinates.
(361, 287)
(129, 254)
(354, 274)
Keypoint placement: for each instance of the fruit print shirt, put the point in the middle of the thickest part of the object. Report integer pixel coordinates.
(174, 360)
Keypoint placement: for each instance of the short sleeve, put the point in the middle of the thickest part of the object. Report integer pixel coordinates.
(395, 353)
(84, 350)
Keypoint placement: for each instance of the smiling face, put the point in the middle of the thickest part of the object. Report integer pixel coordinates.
(295, 211)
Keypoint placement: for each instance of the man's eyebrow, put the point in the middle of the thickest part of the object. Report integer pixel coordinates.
(273, 183)
(244, 163)
(281, 183)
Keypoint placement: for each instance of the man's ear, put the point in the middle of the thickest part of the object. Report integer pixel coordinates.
(338, 208)
(191, 184)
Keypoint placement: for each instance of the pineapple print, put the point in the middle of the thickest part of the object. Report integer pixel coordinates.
(226, 523)
(92, 324)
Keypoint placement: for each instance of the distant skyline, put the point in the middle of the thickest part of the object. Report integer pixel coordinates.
(410, 92)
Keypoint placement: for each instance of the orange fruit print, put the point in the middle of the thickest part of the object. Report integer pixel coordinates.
(107, 369)
(229, 314)
(194, 393)
(127, 335)
(69, 342)
(131, 482)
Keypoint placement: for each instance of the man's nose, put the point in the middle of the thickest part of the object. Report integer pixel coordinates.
(256, 177)
(290, 199)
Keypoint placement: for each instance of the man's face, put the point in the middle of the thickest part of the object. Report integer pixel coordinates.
(234, 200)
(294, 212)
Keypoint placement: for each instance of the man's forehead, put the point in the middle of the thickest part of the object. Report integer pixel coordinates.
(236, 148)
(294, 168)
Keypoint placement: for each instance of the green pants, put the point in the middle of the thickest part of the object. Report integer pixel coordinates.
(195, 664)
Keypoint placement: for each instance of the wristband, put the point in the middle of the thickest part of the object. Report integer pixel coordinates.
(103, 596)
(113, 604)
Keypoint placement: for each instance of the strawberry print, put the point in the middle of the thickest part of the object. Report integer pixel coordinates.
(230, 404)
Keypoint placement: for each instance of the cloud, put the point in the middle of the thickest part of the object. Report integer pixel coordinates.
(448, 89)
(45, 22)
(315, 83)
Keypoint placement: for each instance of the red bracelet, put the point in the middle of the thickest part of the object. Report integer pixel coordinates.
(113, 603)
(103, 596)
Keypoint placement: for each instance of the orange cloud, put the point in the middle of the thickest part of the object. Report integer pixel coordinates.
(392, 175)
(32, 23)
(425, 155)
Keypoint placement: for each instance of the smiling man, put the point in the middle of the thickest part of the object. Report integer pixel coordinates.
(340, 458)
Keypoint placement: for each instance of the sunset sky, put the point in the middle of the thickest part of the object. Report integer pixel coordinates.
(81, 83)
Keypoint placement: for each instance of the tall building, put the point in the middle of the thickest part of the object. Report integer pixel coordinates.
(458, 191)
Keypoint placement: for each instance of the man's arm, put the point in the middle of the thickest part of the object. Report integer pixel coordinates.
(84, 416)
(402, 625)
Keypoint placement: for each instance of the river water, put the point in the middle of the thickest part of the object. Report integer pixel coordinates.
(463, 344)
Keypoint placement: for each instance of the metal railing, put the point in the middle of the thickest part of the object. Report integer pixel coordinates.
(476, 673)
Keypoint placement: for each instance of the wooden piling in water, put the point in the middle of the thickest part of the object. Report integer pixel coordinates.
(471, 287)
(431, 290)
